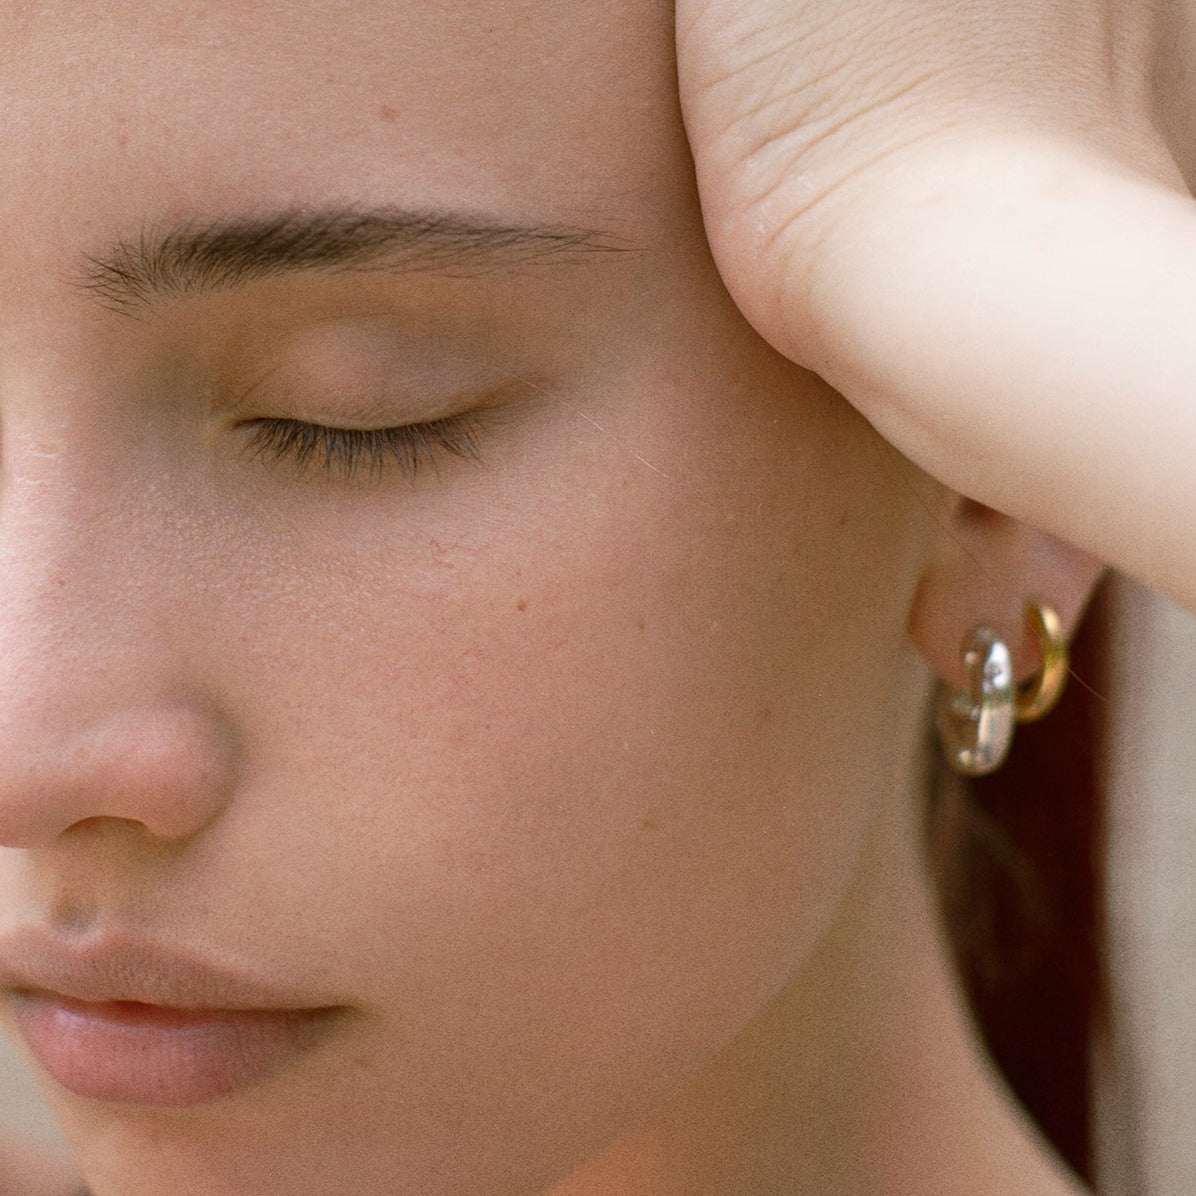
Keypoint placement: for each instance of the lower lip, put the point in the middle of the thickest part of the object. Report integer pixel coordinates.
(127, 1053)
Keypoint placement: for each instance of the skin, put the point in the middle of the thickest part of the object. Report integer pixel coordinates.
(30, 1169)
(587, 773)
(973, 220)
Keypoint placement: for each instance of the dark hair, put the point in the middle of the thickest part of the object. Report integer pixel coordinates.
(1018, 860)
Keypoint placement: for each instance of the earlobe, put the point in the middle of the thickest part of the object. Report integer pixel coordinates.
(984, 569)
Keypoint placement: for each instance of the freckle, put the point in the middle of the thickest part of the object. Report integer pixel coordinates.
(521, 604)
(640, 624)
(651, 823)
(388, 114)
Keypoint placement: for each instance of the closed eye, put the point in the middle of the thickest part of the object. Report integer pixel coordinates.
(344, 453)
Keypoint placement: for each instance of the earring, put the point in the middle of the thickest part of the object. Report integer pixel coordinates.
(1040, 696)
(976, 724)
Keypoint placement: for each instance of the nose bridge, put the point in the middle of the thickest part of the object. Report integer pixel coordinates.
(100, 716)
(74, 546)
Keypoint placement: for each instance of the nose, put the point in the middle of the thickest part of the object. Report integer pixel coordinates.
(101, 715)
(164, 765)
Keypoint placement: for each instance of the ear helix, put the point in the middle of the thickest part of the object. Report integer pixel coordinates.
(976, 724)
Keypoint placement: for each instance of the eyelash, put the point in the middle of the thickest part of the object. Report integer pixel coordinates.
(341, 452)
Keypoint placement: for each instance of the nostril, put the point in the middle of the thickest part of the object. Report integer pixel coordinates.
(97, 824)
(82, 826)
(158, 771)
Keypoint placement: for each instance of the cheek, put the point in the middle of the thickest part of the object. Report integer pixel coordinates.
(589, 759)
(577, 813)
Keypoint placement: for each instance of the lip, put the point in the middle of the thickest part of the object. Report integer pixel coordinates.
(121, 1019)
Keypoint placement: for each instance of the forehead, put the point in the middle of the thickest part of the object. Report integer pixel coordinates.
(120, 112)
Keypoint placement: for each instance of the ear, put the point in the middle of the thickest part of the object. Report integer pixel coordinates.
(983, 569)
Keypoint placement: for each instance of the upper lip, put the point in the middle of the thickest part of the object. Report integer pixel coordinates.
(121, 966)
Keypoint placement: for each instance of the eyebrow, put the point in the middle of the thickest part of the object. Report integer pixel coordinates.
(129, 275)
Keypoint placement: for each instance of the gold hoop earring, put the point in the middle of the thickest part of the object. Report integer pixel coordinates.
(1040, 696)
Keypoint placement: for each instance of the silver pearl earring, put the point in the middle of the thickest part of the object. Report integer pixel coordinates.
(976, 724)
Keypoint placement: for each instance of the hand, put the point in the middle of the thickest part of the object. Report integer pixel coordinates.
(962, 215)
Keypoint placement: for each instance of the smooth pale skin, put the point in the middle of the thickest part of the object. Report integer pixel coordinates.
(588, 774)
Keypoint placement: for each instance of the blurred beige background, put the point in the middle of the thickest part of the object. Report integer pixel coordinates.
(21, 1106)
(1147, 1111)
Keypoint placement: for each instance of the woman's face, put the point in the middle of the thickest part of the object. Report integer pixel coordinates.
(544, 762)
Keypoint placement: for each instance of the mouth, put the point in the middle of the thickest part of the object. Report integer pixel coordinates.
(128, 1022)
(125, 1052)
